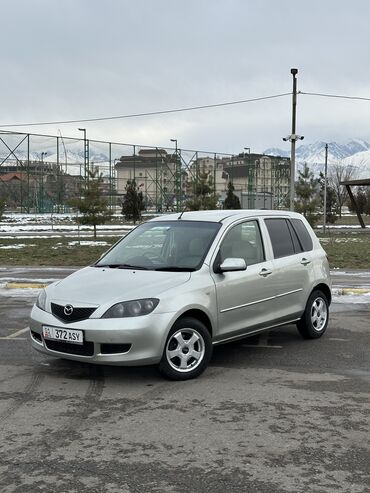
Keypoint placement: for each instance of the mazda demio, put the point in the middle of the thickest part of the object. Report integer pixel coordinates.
(177, 285)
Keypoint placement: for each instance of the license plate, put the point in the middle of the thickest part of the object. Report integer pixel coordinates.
(63, 335)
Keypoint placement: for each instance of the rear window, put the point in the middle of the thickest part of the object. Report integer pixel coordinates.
(303, 235)
(281, 238)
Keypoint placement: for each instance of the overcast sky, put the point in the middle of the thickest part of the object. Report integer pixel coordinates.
(76, 59)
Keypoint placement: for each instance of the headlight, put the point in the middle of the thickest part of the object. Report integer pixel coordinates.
(41, 300)
(133, 308)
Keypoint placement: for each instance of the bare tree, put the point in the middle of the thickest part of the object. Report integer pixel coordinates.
(340, 172)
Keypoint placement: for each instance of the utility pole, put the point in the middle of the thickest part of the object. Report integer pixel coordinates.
(325, 185)
(293, 137)
(294, 72)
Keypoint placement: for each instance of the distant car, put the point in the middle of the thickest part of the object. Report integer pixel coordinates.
(179, 284)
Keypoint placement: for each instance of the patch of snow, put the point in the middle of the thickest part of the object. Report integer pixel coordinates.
(88, 243)
(17, 246)
(81, 243)
(352, 298)
(339, 272)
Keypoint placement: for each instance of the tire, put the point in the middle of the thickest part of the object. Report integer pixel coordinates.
(315, 318)
(187, 351)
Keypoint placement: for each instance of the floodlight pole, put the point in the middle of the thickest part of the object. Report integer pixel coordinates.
(177, 177)
(248, 174)
(86, 154)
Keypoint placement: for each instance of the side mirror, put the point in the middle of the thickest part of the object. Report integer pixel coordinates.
(233, 264)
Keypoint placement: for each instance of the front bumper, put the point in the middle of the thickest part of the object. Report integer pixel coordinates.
(144, 336)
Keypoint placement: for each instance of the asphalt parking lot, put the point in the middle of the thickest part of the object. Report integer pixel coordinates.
(272, 413)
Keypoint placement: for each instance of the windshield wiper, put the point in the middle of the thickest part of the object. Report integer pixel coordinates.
(123, 266)
(170, 268)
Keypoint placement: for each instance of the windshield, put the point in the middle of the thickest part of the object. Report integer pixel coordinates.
(168, 245)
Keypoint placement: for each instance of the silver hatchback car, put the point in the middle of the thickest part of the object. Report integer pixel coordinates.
(179, 284)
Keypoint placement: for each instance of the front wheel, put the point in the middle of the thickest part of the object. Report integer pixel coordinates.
(315, 318)
(187, 351)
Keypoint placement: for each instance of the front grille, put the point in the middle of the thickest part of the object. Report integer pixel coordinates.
(85, 349)
(76, 315)
(114, 348)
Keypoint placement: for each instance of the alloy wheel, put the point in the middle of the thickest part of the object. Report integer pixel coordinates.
(185, 350)
(319, 314)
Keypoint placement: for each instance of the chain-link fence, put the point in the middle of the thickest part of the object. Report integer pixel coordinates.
(42, 173)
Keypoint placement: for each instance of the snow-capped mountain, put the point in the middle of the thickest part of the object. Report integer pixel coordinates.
(315, 153)
(355, 152)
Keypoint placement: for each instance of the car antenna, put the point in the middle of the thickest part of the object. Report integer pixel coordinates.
(182, 212)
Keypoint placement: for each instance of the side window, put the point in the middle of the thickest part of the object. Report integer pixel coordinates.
(297, 245)
(243, 241)
(303, 235)
(281, 239)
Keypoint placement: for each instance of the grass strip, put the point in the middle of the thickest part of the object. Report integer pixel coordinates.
(348, 250)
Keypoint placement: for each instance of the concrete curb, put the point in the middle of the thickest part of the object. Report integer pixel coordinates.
(25, 285)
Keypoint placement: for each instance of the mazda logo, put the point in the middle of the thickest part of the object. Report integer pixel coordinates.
(68, 310)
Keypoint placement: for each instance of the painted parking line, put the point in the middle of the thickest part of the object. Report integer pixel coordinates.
(268, 346)
(263, 339)
(25, 285)
(14, 335)
(347, 290)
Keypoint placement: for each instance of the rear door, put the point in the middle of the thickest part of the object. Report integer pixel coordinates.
(292, 268)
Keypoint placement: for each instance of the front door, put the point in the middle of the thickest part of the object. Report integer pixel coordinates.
(245, 299)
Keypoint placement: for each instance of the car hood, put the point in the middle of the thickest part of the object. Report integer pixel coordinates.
(97, 286)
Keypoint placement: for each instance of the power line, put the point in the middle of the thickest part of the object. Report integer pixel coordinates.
(338, 96)
(151, 113)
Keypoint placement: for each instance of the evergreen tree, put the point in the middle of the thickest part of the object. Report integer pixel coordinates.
(204, 197)
(133, 202)
(307, 201)
(2, 207)
(367, 205)
(92, 206)
(231, 201)
(331, 199)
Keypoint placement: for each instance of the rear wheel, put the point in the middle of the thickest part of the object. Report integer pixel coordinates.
(315, 318)
(187, 351)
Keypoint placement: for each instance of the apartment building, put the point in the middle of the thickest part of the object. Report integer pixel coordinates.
(157, 174)
(256, 175)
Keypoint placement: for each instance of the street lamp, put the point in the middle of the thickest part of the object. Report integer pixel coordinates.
(41, 199)
(178, 177)
(86, 154)
(249, 176)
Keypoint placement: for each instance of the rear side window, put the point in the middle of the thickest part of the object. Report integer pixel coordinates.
(281, 238)
(297, 245)
(303, 235)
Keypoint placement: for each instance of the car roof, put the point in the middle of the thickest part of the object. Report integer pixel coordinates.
(223, 215)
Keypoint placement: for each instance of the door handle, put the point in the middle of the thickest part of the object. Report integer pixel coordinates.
(305, 261)
(265, 272)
